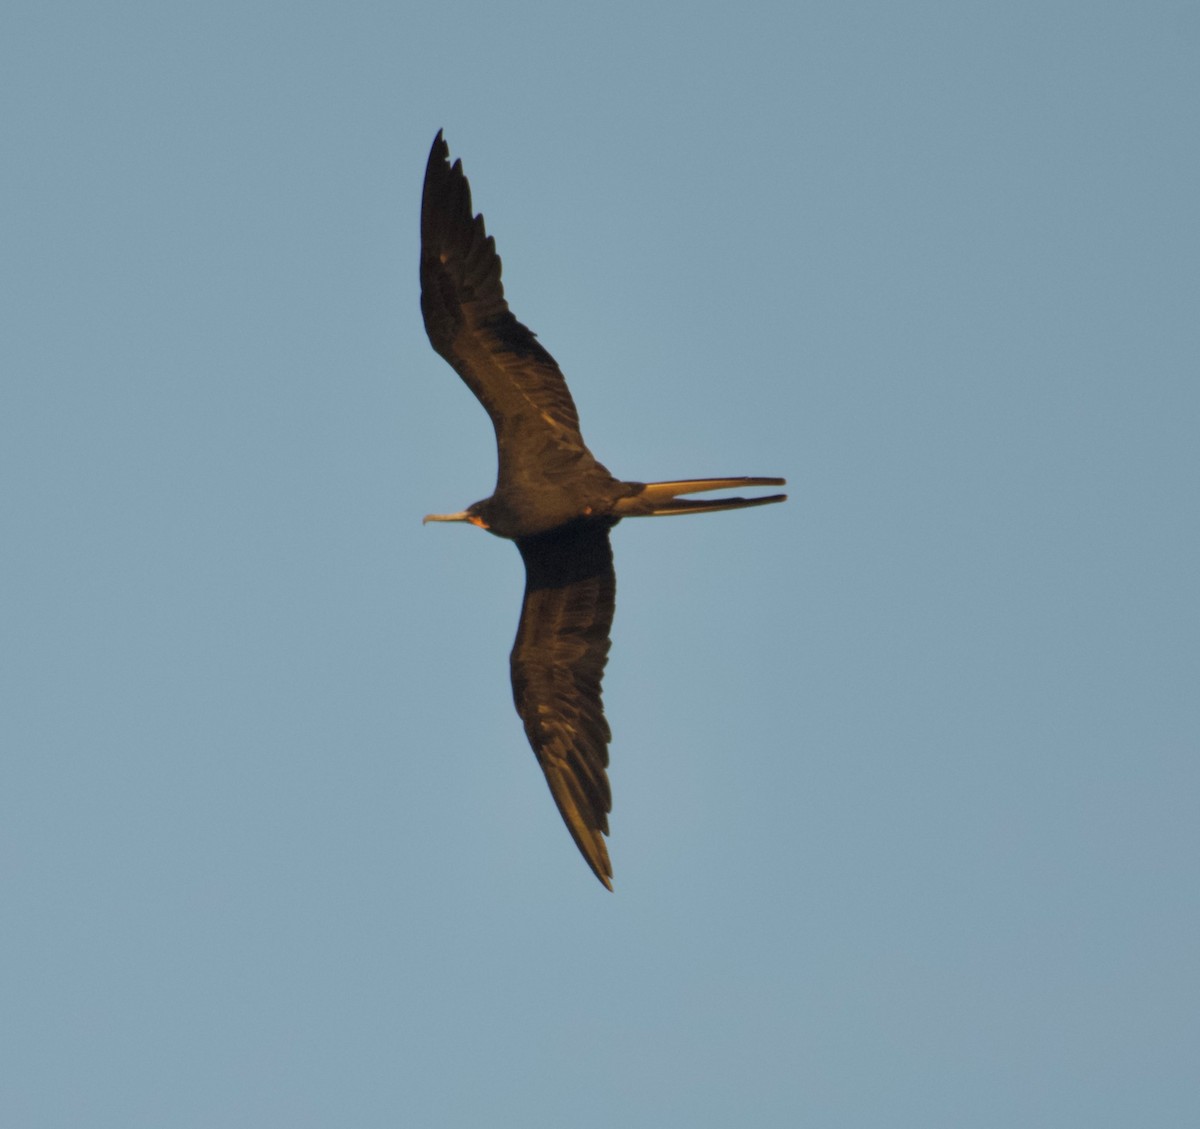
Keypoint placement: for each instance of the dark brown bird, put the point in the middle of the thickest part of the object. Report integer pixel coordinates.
(552, 498)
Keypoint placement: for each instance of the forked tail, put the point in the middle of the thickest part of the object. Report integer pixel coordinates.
(660, 499)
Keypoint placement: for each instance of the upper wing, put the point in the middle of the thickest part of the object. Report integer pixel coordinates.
(469, 323)
(557, 664)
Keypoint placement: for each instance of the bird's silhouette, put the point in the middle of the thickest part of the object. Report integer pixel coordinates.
(552, 497)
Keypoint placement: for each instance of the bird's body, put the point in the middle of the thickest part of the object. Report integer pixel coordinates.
(552, 497)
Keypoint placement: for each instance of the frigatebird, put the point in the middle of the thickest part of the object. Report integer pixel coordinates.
(552, 497)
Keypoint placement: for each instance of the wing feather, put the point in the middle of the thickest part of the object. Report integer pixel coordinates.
(470, 325)
(557, 667)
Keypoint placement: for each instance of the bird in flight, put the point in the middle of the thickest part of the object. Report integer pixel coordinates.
(552, 497)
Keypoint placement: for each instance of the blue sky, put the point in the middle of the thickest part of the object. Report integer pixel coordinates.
(905, 771)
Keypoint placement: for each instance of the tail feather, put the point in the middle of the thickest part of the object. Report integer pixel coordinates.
(661, 499)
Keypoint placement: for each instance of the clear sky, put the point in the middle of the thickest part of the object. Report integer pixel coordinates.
(906, 770)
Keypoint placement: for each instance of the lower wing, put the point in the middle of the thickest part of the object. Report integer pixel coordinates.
(557, 666)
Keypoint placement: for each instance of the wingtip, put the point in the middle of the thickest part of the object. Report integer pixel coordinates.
(595, 854)
(601, 867)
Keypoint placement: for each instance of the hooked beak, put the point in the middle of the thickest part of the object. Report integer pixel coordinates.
(462, 515)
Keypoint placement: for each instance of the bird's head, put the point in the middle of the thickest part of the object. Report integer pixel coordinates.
(473, 514)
